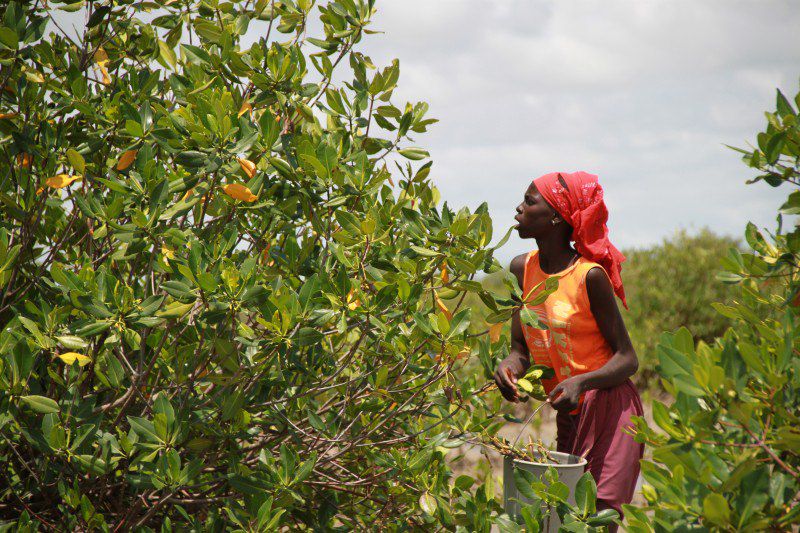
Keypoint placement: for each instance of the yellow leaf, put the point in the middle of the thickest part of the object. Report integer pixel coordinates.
(248, 166)
(39, 190)
(7, 115)
(443, 308)
(60, 181)
(464, 353)
(494, 331)
(35, 77)
(24, 160)
(126, 159)
(104, 72)
(245, 108)
(239, 192)
(167, 252)
(100, 56)
(352, 303)
(445, 275)
(71, 357)
(188, 193)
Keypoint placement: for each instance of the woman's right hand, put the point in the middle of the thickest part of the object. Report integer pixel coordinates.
(508, 371)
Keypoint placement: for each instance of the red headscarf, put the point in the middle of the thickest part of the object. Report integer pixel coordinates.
(581, 205)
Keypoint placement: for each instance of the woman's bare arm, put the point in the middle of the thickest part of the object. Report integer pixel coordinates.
(518, 361)
(622, 364)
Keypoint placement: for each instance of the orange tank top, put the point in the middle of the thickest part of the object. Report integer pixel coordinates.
(573, 343)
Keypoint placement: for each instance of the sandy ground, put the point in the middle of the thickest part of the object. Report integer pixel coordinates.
(479, 462)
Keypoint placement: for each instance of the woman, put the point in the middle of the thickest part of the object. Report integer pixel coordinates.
(586, 342)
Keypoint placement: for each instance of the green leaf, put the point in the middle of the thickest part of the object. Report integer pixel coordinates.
(427, 252)
(133, 128)
(502, 241)
(144, 428)
(586, 494)
(191, 159)
(603, 518)
(662, 419)
(175, 310)
(167, 53)
(428, 503)
(92, 464)
(302, 473)
(207, 281)
(559, 491)
(178, 289)
(72, 342)
(783, 106)
(459, 322)
(532, 515)
(530, 318)
(8, 38)
(93, 328)
(415, 154)
(195, 54)
(76, 160)
(573, 527)
(525, 385)
(716, 509)
(40, 404)
(348, 221)
(163, 406)
(524, 480)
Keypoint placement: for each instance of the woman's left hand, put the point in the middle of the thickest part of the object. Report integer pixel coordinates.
(570, 392)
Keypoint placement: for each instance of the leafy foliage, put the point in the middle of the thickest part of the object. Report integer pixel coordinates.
(673, 284)
(218, 310)
(549, 497)
(726, 457)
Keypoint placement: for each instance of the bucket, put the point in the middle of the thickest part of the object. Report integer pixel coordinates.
(570, 470)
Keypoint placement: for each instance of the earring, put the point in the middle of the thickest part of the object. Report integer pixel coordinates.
(555, 221)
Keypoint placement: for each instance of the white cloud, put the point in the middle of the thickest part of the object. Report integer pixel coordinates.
(644, 94)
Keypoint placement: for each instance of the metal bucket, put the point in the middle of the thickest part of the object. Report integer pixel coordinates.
(570, 469)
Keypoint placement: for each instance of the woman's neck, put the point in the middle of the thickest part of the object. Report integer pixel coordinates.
(554, 254)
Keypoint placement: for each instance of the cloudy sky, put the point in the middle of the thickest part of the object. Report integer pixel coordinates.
(642, 93)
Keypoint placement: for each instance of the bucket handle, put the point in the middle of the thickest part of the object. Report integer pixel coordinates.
(530, 417)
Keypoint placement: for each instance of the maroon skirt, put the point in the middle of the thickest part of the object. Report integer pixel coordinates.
(596, 433)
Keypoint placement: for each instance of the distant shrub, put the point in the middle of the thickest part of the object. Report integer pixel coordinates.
(673, 284)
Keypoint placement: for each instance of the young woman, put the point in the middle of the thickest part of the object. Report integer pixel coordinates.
(586, 342)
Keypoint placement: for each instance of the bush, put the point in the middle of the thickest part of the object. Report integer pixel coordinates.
(726, 457)
(218, 310)
(673, 284)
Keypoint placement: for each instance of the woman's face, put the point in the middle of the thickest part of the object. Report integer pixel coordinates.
(534, 216)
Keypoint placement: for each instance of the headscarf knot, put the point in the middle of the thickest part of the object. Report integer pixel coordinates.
(581, 205)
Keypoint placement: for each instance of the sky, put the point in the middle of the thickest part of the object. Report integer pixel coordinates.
(642, 93)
